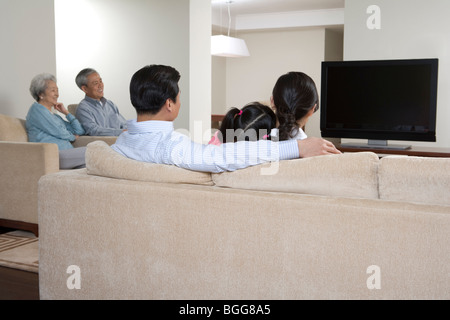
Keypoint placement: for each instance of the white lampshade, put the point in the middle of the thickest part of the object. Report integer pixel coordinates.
(224, 46)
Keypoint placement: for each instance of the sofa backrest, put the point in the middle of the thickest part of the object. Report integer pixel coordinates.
(415, 179)
(72, 108)
(102, 160)
(12, 129)
(350, 175)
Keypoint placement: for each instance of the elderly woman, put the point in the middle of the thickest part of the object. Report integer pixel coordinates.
(45, 126)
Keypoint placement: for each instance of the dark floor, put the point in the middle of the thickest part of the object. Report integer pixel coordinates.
(17, 284)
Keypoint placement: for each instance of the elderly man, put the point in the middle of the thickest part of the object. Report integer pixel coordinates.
(97, 115)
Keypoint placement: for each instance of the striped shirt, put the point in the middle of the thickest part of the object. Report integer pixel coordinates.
(158, 142)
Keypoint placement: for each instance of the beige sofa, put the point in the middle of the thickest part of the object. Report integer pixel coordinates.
(22, 163)
(348, 226)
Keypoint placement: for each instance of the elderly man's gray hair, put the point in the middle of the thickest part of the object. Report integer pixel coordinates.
(82, 77)
(39, 84)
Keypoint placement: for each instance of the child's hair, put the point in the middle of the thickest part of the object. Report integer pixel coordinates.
(253, 122)
(294, 94)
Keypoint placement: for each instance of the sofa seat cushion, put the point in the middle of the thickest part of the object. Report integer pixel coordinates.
(344, 175)
(102, 160)
(415, 179)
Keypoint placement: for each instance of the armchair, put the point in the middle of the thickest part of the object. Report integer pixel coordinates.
(22, 164)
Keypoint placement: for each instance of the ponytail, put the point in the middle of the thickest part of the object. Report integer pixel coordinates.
(228, 122)
(294, 94)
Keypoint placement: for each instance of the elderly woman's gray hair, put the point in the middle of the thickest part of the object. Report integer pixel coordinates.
(39, 84)
(82, 77)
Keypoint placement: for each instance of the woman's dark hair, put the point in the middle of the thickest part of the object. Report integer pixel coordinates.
(294, 95)
(253, 122)
(151, 86)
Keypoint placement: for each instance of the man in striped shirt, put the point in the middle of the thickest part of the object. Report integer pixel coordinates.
(151, 137)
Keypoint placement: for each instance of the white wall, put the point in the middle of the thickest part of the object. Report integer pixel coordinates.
(409, 30)
(334, 45)
(117, 38)
(218, 85)
(273, 53)
(200, 71)
(27, 37)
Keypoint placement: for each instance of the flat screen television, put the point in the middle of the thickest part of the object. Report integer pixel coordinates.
(379, 100)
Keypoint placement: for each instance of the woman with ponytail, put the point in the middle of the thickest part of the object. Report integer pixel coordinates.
(294, 99)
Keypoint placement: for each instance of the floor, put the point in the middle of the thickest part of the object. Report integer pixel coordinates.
(16, 284)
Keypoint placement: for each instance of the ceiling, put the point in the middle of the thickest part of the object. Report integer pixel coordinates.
(238, 7)
(246, 15)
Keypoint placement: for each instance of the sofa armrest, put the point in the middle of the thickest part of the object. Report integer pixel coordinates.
(22, 165)
(83, 141)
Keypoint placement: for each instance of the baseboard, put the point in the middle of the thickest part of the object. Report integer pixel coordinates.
(20, 225)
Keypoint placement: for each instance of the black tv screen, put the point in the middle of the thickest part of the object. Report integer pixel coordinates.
(379, 99)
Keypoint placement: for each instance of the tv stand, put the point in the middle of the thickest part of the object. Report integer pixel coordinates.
(377, 145)
(413, 151)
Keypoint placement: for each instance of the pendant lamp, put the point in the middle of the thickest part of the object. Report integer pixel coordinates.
(226, 46)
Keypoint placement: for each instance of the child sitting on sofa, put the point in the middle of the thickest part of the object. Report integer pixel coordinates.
(294, 99)
(253, 122)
